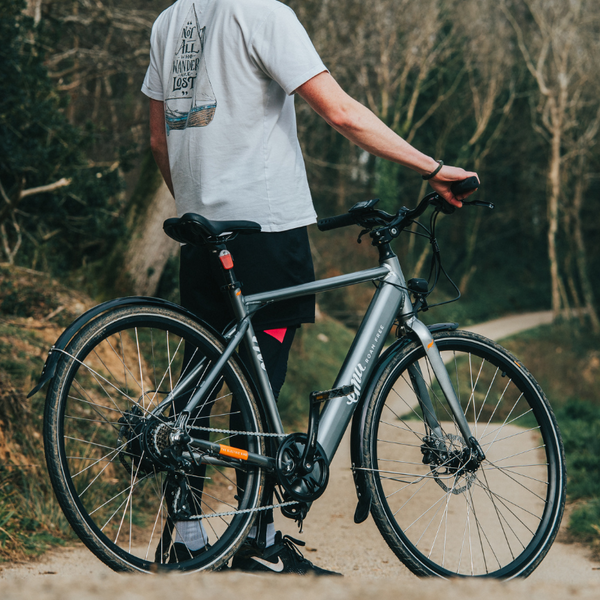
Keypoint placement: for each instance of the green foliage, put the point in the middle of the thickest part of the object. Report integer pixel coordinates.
(75, 223)
(580, 428)
(584, 523)
(566, 362)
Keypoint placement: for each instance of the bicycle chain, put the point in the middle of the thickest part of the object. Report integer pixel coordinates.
(232, 431)
(239, 512)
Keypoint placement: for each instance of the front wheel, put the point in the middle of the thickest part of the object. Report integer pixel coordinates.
(126, 488)
(442, 513)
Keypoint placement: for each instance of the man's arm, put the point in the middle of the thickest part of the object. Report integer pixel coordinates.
(357, 123)
(158, 141)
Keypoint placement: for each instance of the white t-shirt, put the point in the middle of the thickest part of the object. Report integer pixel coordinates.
(226, 70)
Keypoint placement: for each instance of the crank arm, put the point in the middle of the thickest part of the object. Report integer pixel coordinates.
(437, 364)
(316, 398)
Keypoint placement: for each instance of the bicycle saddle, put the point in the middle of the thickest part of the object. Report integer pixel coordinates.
(195, 229)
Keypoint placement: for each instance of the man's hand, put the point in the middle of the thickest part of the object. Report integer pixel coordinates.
(445, 178)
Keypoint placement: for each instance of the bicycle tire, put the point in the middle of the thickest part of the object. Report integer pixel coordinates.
(498, 521)
(112, 494)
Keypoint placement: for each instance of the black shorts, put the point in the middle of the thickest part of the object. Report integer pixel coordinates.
(262, 262)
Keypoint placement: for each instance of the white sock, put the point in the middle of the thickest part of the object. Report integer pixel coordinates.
(191, 533)
(270, 534)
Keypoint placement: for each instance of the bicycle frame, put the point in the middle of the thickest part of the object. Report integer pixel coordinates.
(390, 301)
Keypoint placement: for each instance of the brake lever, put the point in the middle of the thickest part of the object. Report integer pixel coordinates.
(479, 203)
(363, 232)
(441, 204)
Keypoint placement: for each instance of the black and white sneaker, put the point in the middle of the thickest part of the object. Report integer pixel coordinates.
(282, 557)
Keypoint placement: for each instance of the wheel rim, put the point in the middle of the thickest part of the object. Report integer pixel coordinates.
(490, 521)
(135, 362)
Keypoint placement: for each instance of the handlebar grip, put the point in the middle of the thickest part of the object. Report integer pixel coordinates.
(465, 186)
(335, 222)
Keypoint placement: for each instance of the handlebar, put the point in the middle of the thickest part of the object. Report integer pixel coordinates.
(458, 188)
(364, 211)
(335, 222)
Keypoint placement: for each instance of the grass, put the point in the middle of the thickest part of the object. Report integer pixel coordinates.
(30, 518)
(565, 359)
(315, 360)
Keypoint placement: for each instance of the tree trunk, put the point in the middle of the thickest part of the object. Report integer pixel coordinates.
(554, 193)
(150, 248)
(581, 256)
(34, 10)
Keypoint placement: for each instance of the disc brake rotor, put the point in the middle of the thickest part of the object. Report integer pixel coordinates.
(451, 473)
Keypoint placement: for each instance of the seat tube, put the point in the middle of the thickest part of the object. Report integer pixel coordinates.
(260, 371)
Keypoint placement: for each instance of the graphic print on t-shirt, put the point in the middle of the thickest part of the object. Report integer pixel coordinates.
(191, 100)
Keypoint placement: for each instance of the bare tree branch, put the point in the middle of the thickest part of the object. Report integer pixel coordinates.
(51, 187)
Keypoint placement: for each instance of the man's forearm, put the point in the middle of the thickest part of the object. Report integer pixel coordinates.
(162, 160)
(361, 126)
(158, 142)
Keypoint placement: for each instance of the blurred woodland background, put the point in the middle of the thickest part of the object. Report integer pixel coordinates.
(510, 88)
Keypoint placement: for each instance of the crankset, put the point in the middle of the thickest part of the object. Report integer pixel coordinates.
(301, 464)
(303, 480)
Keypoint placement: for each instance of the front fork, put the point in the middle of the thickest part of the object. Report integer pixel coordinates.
(441, 373)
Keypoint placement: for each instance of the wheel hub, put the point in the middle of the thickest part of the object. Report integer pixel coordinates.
(452, 463)
(147, 445)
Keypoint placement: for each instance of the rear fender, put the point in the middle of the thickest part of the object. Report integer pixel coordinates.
(357, 448)
(49, 369)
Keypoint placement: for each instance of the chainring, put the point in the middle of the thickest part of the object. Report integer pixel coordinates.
(301, 485)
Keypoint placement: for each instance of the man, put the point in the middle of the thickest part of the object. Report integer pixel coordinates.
(222, 79)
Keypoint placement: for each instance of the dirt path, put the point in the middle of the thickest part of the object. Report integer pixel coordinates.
(334, 542)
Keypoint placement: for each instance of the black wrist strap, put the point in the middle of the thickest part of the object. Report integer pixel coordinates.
(434, 173)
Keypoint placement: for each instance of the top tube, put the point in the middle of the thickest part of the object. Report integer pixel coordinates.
(322, 285)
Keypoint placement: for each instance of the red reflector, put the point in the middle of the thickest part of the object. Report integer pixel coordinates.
(226, 259)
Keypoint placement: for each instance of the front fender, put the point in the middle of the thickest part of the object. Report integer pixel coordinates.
(357, 449)
(67, 335)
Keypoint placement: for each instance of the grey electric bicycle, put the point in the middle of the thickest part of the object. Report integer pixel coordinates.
(152, 419)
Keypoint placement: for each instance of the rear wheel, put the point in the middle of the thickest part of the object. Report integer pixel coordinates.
(441, 513)
(121, 481)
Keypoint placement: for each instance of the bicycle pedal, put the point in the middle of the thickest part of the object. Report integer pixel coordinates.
(338, 392)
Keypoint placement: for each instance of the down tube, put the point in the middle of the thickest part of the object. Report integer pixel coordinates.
(359, 364)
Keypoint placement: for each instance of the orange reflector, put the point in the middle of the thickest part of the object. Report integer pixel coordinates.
(430, 345)
(233, 452)
(226, 259)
